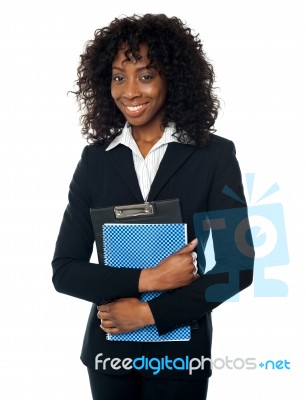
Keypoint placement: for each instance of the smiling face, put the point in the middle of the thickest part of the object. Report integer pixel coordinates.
(139, 91)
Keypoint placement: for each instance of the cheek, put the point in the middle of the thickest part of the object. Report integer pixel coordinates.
(159, 94)
(162, 98)
(114, 92)
(163, 92)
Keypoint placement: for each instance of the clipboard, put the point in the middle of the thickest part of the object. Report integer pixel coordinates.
(154, 212)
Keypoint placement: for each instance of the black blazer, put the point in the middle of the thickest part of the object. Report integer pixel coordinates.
(197, 177)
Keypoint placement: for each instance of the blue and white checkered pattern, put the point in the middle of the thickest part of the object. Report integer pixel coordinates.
(143, 246)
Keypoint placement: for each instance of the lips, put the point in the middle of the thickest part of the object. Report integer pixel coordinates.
(135, 110)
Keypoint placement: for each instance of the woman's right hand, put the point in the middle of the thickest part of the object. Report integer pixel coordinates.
(173, 272)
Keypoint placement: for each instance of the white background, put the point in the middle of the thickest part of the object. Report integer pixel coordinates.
(257, 48)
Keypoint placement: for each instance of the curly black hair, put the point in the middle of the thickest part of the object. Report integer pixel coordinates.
(190, 102)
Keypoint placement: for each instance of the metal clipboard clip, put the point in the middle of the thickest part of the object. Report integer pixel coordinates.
(134, 210)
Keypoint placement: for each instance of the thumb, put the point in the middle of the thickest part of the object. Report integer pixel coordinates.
(188, 247)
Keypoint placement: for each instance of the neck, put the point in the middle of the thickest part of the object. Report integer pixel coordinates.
(147, 136)
(146, 140)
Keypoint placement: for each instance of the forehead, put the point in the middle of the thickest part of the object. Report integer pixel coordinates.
(126, 55)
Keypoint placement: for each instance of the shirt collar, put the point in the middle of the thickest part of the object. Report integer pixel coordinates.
(127, 139)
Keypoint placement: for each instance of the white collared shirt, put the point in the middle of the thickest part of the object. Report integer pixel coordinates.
(145, 168)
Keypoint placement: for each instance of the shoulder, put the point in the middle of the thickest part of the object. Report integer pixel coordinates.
(95, 148)
(219, 143)
(93, 151)
(217, 148)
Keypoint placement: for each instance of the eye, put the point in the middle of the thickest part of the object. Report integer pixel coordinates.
(117, 78)
(146, 77)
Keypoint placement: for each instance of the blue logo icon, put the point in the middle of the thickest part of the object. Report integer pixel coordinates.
(267, 231)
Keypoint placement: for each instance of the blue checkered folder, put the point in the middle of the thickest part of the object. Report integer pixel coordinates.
(144, 246)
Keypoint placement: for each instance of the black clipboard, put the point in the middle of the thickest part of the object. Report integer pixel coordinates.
(153, 212)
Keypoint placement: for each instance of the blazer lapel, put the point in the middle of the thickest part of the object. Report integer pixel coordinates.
(121, 158)
(175, 155)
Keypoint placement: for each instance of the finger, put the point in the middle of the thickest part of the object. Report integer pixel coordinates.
(103, 308)
(194, 256)
(110, 330)
(102, 315)
(107, 306)
(194, 260)
(107, 324)
(188, 247)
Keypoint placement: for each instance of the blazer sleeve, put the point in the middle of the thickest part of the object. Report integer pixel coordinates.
(73, 274)
(233, 270)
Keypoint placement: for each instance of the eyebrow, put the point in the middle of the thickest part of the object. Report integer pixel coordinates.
(138, 69)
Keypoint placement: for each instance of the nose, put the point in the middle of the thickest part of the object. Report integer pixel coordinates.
(131, 89)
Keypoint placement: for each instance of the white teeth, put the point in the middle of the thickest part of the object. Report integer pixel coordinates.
(134, 108)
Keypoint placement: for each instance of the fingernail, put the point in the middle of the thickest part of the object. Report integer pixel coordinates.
(194, 241)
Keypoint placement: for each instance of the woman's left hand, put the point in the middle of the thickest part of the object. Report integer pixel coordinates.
(124, 315)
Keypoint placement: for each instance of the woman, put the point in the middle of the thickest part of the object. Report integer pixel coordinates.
(145, 87)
